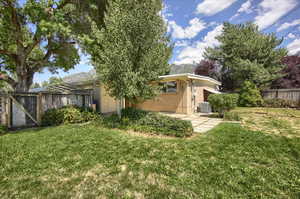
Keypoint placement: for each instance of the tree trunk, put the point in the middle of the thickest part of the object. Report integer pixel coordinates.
(24, 82)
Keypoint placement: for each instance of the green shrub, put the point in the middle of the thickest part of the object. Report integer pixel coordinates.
(222, 103)
(250, 95)
(232, 116)
(133, 113)
(280, 103)
(112, 121)
(68, 115)
(149, 122)
(156, 123)
(3, 129)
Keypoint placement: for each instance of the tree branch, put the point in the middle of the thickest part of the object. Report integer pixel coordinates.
(8, 79)
(36, 40)
(8, 53)
(16, 23)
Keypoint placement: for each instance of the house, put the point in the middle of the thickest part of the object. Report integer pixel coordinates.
(181, 93)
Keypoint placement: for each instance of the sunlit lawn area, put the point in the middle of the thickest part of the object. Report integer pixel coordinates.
(279, 121)
(86, 161)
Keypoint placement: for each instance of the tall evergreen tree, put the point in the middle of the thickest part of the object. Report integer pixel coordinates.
(133, 49)
(245, 53)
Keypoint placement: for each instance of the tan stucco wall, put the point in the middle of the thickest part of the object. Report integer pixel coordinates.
(107, 103)
(182, 101)
(170, 102)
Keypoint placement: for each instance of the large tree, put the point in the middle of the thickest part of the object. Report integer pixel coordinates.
(291, 73)
(245, 53)
(133, 50)
(208, 68)
(38, 34)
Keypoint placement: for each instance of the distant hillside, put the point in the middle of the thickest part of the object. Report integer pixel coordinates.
(80, 77)
(182, 68)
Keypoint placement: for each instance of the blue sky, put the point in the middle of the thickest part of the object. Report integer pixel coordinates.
(194, 24)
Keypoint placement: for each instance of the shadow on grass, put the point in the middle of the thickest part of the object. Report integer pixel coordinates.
(26, 130)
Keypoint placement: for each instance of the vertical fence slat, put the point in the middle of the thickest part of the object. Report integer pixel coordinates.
(287, 94)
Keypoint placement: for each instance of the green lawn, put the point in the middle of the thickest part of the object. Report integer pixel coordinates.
(279, 121)
(85, 161)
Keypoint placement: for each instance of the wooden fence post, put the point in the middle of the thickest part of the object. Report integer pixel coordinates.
(39, 108)
(8, 112)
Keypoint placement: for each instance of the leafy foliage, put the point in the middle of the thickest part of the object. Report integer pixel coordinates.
(247, 54)
(291, 74)
(42, 34)
(232, 116)
(132, 50)
(3, 129)
(208, 68)
(222, 103)
(68, 115)
(52, 81)
(149, 122)
(280, 103)
(35, 85)
(249, 95)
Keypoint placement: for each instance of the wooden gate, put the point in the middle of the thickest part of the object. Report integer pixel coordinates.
(26, 109)
(23, 110)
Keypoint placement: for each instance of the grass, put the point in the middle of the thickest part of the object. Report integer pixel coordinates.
(86, 161)
(279, 121)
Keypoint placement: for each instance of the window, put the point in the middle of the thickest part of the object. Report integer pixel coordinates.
(169, 87)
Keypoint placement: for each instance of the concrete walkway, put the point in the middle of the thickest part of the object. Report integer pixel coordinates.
(201, 122)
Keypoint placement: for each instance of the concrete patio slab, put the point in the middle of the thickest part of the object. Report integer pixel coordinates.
(200, 122)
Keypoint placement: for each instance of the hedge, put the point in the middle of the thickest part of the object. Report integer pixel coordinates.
(222, 103)
(68, 115)
(280, 103)
(149, 122)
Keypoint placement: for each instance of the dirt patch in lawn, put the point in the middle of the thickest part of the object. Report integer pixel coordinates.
(285, 122)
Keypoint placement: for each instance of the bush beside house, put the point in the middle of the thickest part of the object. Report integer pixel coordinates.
(132, 119)
(68, 115)
(222, 103)
(3, 129)
(149, 122)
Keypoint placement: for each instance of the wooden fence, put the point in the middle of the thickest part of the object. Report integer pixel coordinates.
(26, 109)
(287, 94)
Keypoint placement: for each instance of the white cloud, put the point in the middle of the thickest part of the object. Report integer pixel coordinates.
(269, 11)
(245, 7)
(291, 36)
(182, 43)
(211, 7)
(195, 26)
(287, 25)
(294, 47)
(164, 13)
(192, 54)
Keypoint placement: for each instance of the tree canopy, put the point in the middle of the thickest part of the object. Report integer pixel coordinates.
(132, 50)
(245, 53)
(35, 35)
(291, 73)
(208, 68)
